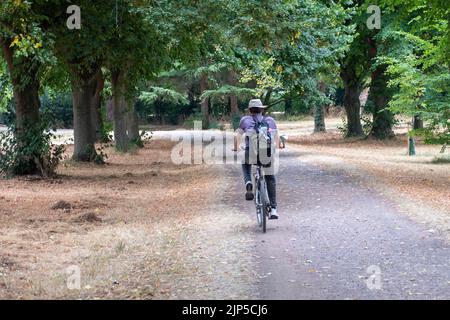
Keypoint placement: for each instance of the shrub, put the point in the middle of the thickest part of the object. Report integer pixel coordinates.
(30, 152)
(366, 122)
(235, 121)
(190, 121)
(441, 160)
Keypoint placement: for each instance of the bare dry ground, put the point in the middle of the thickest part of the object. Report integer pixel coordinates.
(138, 228)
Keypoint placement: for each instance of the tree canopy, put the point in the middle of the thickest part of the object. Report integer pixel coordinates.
(206, 57)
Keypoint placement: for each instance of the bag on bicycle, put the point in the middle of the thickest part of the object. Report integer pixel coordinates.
(259, 144)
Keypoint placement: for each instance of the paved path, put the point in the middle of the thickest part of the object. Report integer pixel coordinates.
(332, 230)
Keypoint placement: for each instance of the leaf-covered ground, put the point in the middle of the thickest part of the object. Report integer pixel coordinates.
(138, 228)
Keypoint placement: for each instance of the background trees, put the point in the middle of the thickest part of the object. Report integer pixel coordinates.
(82, 54)
(22, 41)
(418, 63)
(184, 60)
(136, 51)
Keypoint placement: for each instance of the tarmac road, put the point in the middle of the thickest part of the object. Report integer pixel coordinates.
(339, 240)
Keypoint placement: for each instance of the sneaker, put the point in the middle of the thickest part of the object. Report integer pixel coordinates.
(249, 196)
(274, 214)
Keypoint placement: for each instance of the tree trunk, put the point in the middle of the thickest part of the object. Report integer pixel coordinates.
(120, 109)
(205, 103)
(288, 106)
(352, 103)
(133, 125)
(235, 116)
(418, 123)
(319, 113)
(25, 82)
(319, 119)
(158, 111)
(84, 133)
(382, 118)
(97, 106)
(234, 106)
(379, 95)
(411, 146)
(234, 102)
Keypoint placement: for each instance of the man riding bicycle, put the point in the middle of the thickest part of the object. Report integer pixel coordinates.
(248, 127)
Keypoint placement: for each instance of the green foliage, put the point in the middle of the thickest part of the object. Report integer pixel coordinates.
(293, 42)
(367, 125)
(419, 65)
(29, 44)
(158, 94)
(227, 90)
(294, 117)
(273, 49)
(235, 121)
(59, 107)
(21, 29)
(6, 92)
(107, 127)
(197, 117)
(24, 152)
(343, 129)
(163, 105)
(190, 121)
(216, 125)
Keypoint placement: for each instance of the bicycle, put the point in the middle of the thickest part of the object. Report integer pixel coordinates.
(262, 202)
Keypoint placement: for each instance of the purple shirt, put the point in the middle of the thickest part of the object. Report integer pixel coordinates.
(248, 123)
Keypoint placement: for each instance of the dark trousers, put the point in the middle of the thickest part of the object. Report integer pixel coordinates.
(270, 180)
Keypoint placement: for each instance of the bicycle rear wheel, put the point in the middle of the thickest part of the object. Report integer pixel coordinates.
(265, 203)
(259, 207)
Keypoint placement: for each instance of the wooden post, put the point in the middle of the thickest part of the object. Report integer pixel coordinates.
(411, 146)
(411, 141)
